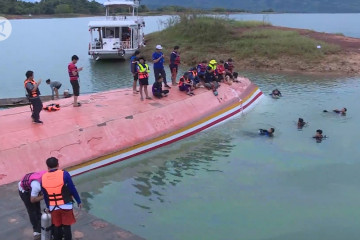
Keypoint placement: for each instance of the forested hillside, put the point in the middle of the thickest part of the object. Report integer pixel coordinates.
(320, 6)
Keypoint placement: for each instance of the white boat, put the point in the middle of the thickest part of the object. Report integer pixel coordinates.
(117, 36)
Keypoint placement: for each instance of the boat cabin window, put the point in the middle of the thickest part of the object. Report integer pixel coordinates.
(111, 32)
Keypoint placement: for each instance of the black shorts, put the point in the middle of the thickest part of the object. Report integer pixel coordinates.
(76, 87)
(136, 76)
(144, 81)
(58, 87)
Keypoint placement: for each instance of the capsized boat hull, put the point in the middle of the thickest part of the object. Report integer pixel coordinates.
(113, 126)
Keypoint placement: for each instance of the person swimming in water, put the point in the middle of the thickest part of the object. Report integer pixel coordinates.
(340, 111)
(269, 133)
(276, 93)
(319, 135)
(301, 123)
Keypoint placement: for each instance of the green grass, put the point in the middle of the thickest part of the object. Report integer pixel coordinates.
(202, 37)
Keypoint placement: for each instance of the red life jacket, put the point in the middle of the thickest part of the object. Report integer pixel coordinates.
(177, 59)
(220, 69)
(28, 178)
(33, 93)
(52, 107)
(70, 71)
(202, 67)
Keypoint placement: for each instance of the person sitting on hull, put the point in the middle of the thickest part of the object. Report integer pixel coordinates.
(210, 81)
(269, 133)
(157, 88)
(186, 85)
(339, 111)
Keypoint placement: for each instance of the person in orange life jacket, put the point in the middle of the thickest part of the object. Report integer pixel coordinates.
(30, 193)
(33, 94)
(52, 107)
(157, 88)
(193, 75)
(201, 69)
(143, 71)
(185, 84)
(158, 60)
(59, 191)
(133, 65)
(174, 64)
(210, 81)
(220, 70)
(74, 78)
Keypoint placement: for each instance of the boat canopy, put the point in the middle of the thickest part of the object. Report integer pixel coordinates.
(93, 24)
(121, 3)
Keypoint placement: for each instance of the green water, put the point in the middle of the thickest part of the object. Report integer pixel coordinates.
(230, 183)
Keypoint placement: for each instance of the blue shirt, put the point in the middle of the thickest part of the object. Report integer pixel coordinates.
(159, 64)
(133, 60)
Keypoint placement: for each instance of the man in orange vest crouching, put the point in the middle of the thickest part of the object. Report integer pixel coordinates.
(59, 191)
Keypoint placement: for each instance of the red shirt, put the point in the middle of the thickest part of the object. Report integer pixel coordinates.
(220, 69)
(72, 67)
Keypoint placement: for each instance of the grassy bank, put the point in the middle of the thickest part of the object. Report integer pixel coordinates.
(219, 38)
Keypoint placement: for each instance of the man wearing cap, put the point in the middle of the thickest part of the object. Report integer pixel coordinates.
(158, 60)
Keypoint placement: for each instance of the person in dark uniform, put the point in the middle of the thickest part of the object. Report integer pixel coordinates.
(134, 60)
(269, 133)
(33, 94)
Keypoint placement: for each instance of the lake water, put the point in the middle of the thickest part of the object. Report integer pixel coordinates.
(227, 182)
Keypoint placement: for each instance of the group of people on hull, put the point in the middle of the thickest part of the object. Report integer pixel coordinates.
(301, 123)
(206, 74)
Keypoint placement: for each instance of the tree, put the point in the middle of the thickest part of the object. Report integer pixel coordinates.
(63, 8)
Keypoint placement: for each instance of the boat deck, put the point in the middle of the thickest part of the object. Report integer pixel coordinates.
(106, 123)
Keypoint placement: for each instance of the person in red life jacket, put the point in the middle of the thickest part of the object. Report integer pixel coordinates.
(201, 69)
(33, 94)
(220, 71)
(133, 66)
(74, 78)
(59, 191)
(210, 81)
(157, 88)
(174, 64)
(30, 193)
(143, 71)
(186, 85)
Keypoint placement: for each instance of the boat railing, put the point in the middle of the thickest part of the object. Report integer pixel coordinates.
(115, 45)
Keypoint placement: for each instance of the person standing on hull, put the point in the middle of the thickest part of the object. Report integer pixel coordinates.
(133, 66)
(74, 78)
(174, 64)
(158, 60)
(33, 94)
(30, 194)
(59, 191)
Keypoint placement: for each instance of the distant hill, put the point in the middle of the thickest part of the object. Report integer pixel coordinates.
(320, 6)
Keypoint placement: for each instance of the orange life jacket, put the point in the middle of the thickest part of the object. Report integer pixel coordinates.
(52, 107)
(57, 191)
(33, 93)
(182, 81)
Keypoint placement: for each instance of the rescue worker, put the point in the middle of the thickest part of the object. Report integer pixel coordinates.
(143, 72)
(174, 64)
(30, 193)
(133, 66)
(33, 94)
(59, 191)
(210, 80)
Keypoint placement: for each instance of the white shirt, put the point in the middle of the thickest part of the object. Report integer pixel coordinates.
(35, 188)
